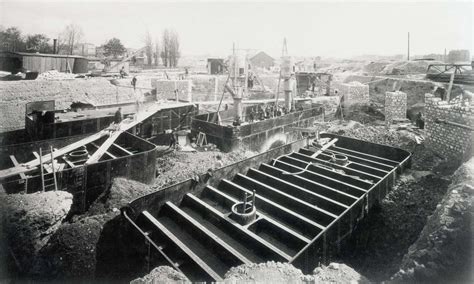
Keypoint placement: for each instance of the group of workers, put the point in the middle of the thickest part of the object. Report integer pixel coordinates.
(261, 112)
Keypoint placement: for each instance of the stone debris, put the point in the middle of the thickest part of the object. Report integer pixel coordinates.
(267, 272)
(162, 275)
(55, 75)
(337, 273)
(29, 221)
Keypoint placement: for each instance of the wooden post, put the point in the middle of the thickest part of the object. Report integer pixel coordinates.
(41, 167)
(54, 170)
(451, 81)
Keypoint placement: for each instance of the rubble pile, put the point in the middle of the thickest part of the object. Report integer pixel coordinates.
(268, 272)
(176, 166)
(162, 274)
(55, 75)
(337, 273)
(29, 221)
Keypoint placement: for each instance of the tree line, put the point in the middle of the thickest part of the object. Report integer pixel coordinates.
(13, 39)
(168, 49)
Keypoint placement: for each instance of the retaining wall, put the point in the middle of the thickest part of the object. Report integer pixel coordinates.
(255, 136)
(353, 93)
(165, 89)
(450, 141)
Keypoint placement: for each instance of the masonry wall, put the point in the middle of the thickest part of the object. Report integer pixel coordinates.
(14, 95)
(449, 141)
(353, 93)
(258, 136)
(395, 106)
(165, 89)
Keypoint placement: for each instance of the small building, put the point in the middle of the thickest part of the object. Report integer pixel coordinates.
(262, 60)
(85, 49)
(38, 62)
(215, 66)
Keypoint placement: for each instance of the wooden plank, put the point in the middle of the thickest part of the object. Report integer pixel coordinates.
(123, 149)
(15, 163)
(103, 148)
(106, 152)
(30, 166)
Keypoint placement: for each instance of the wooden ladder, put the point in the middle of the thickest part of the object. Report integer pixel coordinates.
(48, 179)
(249, 202)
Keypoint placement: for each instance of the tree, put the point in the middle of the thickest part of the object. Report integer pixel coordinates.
(114, 47)
(156, 54)
(69, 38)
(170, 51)
(11, 39)
(148, 48)
(38, 43)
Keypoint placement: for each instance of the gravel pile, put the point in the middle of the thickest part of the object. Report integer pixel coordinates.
(268, 272)
(29, 220)
(55, 75)
(337, 273)
(162, 274)
(179, 166)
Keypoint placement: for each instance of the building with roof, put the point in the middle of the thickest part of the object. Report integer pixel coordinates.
(262, 60)
(38, 62)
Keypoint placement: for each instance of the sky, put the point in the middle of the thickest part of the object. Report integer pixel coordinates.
(312, 28)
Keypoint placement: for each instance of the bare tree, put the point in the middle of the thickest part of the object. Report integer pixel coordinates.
(148, 48)
(156, 54)
(69, 38)
(165, 48)
(170, 50)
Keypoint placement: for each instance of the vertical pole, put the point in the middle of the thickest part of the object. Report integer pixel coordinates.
(54, 171)
(253, 199)
(41, 167)
(445, 57)
(245, 203)
(408, 46)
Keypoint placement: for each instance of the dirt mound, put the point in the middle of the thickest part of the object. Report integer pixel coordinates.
(374, 134)
(268, 272)
(71, 251)
(443, 251)
(29, 220)
(175, 167)
(337, 273)
(162, 274)
(121, 192)
(407, 67)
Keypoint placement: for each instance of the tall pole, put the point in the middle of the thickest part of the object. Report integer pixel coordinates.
(408, 58)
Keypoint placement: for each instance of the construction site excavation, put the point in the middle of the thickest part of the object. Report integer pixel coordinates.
(250, 164)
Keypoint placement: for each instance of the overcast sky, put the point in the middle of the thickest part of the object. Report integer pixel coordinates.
(329, 29)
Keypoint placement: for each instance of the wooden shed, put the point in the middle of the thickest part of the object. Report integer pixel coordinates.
(38, 62)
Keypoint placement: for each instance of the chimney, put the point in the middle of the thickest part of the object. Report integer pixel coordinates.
(55, 46)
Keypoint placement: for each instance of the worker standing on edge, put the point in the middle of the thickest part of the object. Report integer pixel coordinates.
(134, 82)
(118, 117)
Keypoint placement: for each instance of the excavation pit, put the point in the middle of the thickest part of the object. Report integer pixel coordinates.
(306, 204)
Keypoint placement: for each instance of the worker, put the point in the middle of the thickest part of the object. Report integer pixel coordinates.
(226, 107)
(172, 140)
(420, 122)
(252, 115)
(122, 72)
(134, 82)
(118, 116)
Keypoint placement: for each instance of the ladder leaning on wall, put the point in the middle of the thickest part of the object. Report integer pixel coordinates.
(48, 179)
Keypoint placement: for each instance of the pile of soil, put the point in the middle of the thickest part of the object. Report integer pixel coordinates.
(121, 192)
(443, 251)
(29, 221)
(372, 133)
(337, 273)
(162, 274)
(268, 272)
(179, 166)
